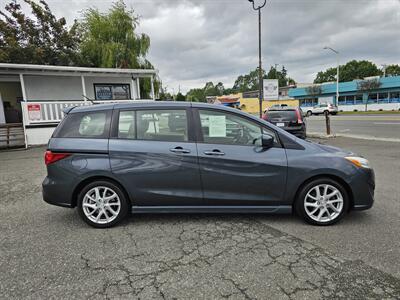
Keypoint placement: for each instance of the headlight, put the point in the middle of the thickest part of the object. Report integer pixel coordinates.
(358, 161)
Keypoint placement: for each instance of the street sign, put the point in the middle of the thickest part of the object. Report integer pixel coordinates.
(271, 89)
(34, 112)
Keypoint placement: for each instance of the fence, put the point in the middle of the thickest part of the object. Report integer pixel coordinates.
(51, 112)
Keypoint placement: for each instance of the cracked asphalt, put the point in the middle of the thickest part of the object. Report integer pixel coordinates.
(48, 252)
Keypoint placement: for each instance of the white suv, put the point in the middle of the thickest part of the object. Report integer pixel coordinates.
(321, 109)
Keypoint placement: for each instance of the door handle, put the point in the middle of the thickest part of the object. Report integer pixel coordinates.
(214, 152)
(179, 150)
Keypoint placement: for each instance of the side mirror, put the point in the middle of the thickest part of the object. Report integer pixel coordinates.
(267, 141)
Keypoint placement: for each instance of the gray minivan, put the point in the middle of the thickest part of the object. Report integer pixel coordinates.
(162, 157)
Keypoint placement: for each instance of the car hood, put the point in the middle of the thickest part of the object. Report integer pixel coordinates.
(332, 149)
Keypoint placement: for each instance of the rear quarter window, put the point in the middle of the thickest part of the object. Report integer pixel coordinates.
(85, 125)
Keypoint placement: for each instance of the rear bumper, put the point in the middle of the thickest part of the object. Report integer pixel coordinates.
(300, 132)
(56, 194)
(363, 189)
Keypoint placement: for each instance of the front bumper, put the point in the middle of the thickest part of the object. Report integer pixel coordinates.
(363, 189)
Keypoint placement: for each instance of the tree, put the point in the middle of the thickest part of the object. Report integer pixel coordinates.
(314, 90)
(352, 70)
(282, 77)
(209, 89)
(196, 95)
(367, 85)
(248, 82)
(163, 93)
(393, 70)
(37, 39)
(109, 40)
(180, 97)
(219, 89)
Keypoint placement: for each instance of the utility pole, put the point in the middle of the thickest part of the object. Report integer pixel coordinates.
(260, 77)
(384, 70)
(337, 73)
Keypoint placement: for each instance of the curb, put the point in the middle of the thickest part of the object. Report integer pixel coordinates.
(352, 136)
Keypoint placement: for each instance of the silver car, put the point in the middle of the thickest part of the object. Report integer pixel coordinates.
(321, 109)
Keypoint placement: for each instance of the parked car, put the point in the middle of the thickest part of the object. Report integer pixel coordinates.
(114, 159)
(288, 118)
(278, 106)
(321, 109)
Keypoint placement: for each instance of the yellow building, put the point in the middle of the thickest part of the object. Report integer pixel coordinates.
(251, 105)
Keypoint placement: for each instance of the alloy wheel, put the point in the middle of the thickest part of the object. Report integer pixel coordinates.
(323, 203)
(101, 205)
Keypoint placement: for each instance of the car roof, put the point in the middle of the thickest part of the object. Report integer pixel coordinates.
(288, 108)
(130, 104)
(149, 104)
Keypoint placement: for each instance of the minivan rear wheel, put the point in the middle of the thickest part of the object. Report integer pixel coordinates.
(102, 204)
(323, 201)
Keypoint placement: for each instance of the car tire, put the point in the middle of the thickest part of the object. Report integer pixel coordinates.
(309, 113)
(102, 204)
(324, 210)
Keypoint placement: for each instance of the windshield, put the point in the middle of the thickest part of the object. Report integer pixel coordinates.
(282, 114)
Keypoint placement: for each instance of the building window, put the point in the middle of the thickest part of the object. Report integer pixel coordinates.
(359, 99)
(394, 97)
(309, 102)
(112, 91)
(383, 97)
(349, 100)
(342, 100)
(373, 98)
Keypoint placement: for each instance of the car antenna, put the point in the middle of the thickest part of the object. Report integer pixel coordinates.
(87, 98)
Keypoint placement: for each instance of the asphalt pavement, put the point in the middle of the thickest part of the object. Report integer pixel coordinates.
(378, 126)
(48, 252)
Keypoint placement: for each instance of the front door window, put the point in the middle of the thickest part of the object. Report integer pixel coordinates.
(226, 128)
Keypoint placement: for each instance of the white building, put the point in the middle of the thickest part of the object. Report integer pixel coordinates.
(32, 96)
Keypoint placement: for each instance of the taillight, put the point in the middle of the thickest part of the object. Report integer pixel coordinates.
(299, 120)
(50, 157)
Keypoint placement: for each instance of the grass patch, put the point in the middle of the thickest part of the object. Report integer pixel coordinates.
(376, 112)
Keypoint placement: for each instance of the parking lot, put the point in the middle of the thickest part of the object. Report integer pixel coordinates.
(47, 251)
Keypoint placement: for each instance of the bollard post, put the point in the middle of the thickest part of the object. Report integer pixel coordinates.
(327, 122)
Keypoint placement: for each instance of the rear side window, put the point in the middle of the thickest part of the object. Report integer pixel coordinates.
(162, 125)
(126, 125)
(85, 125)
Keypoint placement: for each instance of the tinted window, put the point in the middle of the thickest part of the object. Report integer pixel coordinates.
(162, 125)
(126, 125)
(282, 114)
(226, 128)
(85, 125)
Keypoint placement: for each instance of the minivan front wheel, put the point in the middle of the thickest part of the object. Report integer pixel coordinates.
(322, 202)
(102, 204)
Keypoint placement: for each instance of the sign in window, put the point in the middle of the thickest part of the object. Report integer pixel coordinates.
(112, 91)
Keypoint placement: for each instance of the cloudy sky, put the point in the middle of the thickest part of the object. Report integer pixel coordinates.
(194, 41)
